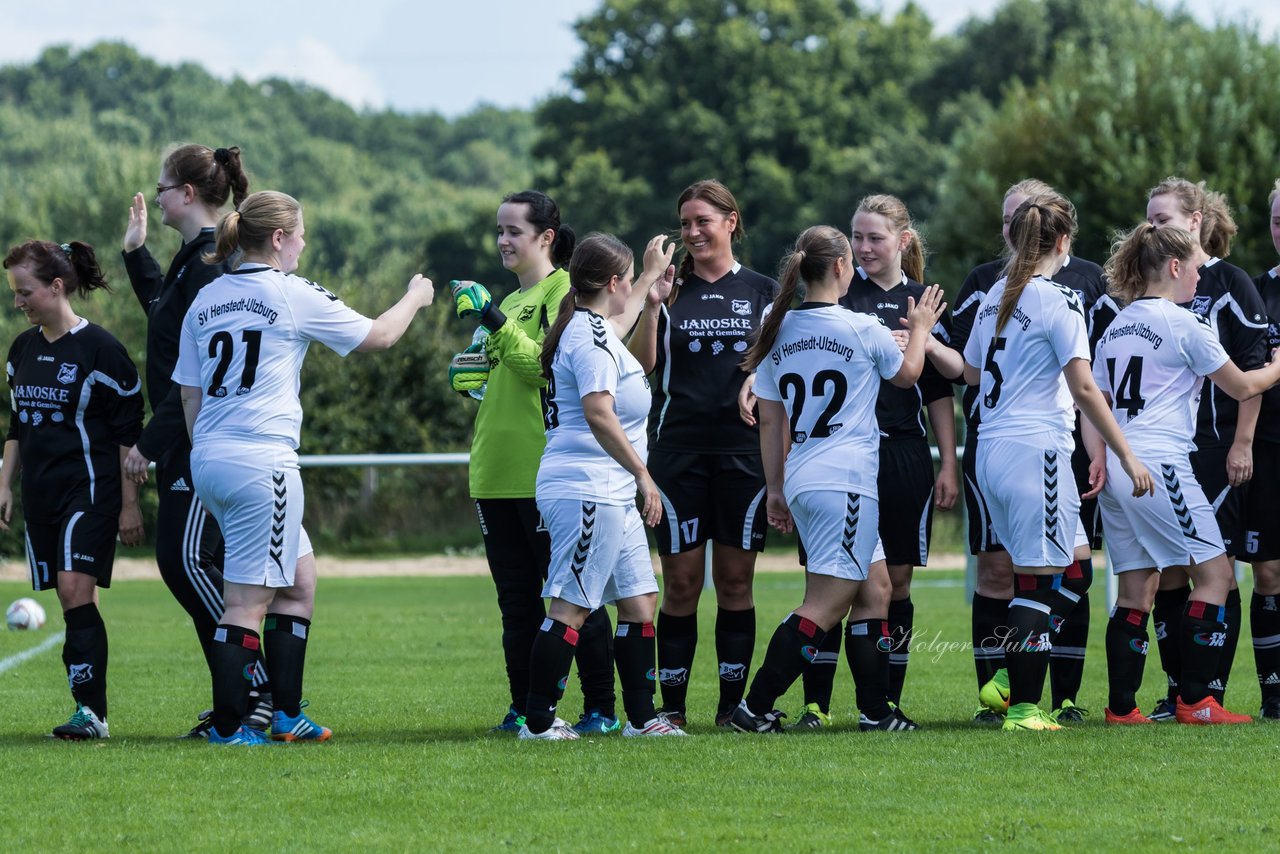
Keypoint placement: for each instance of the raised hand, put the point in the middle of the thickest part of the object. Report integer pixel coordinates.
(135, 233)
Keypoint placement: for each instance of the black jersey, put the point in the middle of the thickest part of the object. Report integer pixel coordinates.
(166, 298)
(1228, 299)
(898, 410)
(1268, 285)
(74, 402)
(702, 338)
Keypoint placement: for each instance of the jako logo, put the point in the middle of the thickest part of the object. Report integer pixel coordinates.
(731, 672)
(1138, 646)
(79, 674)
(809, 652)
(673, 675)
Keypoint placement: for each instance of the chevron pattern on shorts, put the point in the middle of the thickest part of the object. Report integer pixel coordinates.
(276, 548)
(852, 512)
(1051, 532)
(1179, 503)
(586, 529)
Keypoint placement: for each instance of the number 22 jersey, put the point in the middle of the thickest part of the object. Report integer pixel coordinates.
(243, 342)
(825, 367)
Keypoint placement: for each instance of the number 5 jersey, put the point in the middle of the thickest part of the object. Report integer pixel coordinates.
(243, 342)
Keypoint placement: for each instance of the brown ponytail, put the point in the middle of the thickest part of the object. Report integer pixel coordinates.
(250, 228)
(74, 263)
(1034, 231)
(815, 251)
(215, 174)
(596, 260)
(1138, 257)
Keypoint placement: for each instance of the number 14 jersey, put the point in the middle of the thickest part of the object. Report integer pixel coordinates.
(243, 342)
(825, 367)
(1150, 360)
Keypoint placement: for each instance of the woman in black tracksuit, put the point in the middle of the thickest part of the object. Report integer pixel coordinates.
(195, 182)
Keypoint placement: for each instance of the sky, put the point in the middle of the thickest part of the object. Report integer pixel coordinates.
(409, 55)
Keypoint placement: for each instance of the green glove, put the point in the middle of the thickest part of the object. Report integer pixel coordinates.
(472, 299)
(469, 371)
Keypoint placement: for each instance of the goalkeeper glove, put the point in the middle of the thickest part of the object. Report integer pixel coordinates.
(472, 299)
(469, 371)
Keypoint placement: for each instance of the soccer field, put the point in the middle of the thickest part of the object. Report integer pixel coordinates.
(407, 672)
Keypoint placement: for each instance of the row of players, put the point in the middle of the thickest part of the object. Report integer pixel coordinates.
(700, 473)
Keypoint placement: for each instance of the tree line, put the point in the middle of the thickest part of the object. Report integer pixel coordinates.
(800, 106)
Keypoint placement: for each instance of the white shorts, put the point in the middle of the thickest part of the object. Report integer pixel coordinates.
(1031, 494)
(840, 532)
(1174, 527)
(599, 552)
(255, 493)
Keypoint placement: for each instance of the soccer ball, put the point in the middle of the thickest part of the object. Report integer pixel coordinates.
(24, 614)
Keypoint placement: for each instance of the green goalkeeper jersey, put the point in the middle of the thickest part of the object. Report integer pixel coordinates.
(509, 434)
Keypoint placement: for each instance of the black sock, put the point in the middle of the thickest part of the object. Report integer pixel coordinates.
(1264, 622)
(735, 642)
(793, 645)
(1167, 615)
(548, 672)
(635, 653)
(990, 631)
(285, 639)
(902, 615)
(594, 656)
(1027, 655)
(1126, 657)
(866, 654)
(234, 652)
(1066, 661)
(1204, 632)
(820, 676)
(84, 655)
(1234, 612)
(677, 642)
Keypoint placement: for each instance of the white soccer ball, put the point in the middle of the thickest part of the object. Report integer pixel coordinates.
(24, 614)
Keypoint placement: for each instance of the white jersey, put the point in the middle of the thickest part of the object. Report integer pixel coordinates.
(825, 367)
(243, 342)
(1022, 391)
(1151, 360)
(591, 359)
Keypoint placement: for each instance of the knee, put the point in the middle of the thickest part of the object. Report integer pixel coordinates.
(1266, 578)
(681, 589)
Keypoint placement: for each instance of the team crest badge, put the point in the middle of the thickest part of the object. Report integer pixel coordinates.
(1200, 305)
(741, 306)
(66, 373)
(526, 313)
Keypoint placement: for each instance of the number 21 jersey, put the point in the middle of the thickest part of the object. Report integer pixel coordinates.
(243, 342)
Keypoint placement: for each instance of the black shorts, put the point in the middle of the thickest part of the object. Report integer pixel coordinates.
(1262, 535)
(905, 485)
(1089, 515)
(717, 497)
(79, 542)
(1210, 467)
(982, 537)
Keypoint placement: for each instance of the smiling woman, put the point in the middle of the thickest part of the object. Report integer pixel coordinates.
(77, 408)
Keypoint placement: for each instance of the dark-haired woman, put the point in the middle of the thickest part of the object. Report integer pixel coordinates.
(239, 360)
(77, 409)
(1150, 364)
(195, 183)
(1029, 353)
(1262, 539)
(508, 442)
(594, 464)
(1223, 457)
(819, 369)
(704, 448)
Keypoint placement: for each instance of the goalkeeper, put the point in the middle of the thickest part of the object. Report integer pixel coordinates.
(501, 369)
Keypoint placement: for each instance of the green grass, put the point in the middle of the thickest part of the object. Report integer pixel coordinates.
(407, 671)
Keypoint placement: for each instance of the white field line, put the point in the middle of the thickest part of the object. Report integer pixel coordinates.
(14, 660)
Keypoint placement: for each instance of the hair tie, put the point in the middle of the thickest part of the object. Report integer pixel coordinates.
(66, 249)
(222, 155)
(573, 291)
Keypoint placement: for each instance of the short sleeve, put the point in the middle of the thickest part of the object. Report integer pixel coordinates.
(1064, 322)
(766, 387)
(1200, 346)
(1100, 375)
(883, 350)
(973, 350)
(595, 369)
(321, 316)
